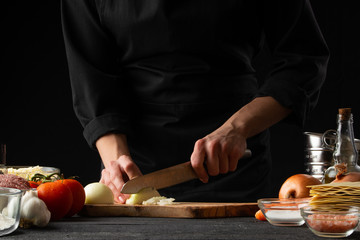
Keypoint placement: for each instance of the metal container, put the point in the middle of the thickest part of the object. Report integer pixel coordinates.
(319, 149)
(317, 161)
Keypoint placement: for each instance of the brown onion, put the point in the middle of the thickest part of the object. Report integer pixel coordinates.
(296, 186)
(344, 176)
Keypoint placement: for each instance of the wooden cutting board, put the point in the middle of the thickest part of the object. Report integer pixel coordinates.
(178, 210)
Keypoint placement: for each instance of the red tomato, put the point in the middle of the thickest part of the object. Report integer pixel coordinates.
(57, 197)
(34, 184)
(78, 193)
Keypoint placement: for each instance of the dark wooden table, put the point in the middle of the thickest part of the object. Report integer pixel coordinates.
(125, 228)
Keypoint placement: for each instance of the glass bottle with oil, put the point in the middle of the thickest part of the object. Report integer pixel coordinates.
(345, 151)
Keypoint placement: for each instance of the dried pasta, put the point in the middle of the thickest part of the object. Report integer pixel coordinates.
(335, 195)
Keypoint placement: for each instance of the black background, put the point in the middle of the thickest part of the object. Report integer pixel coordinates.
(38, 123)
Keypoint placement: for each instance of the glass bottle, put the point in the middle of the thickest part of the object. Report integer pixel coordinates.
(2, 158)
(345, 151)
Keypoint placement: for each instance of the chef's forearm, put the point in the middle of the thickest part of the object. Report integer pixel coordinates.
(111, 147)
(258, 115)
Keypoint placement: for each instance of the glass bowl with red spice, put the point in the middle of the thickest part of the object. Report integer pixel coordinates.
(331, 221)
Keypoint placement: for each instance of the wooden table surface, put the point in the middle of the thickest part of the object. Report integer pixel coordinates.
(125, 228)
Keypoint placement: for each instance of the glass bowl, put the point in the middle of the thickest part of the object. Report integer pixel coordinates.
(28, 172)
(325, 222)
(10, 200)
(283, 212)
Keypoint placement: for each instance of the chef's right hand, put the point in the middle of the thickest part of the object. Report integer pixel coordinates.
(117, 173)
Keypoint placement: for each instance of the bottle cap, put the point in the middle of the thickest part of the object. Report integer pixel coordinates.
(345, 113)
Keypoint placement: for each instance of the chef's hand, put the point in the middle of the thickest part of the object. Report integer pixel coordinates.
(119, 167)
(221, 150)
(117, 173)
(218, 152)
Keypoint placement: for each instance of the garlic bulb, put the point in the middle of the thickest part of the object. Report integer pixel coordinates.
(33, 211)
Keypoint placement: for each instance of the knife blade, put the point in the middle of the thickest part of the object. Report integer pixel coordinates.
(166, 177)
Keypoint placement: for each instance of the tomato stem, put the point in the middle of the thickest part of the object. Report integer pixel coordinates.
(50, 178)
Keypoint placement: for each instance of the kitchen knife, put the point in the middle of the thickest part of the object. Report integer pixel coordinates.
(165, 177)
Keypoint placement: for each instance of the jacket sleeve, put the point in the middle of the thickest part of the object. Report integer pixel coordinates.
(300, 56)
(98, 89)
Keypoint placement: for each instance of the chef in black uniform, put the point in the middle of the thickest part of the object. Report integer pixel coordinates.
(160, 82)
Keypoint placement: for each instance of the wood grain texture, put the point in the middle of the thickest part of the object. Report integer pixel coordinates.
(178, 210)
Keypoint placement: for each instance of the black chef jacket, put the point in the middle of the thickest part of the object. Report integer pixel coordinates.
(167, 73)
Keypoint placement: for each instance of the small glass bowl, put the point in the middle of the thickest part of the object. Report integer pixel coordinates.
(10, 201)
(283, 212)
(336, 223)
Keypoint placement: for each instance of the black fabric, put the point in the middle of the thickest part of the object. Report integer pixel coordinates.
(167, 73)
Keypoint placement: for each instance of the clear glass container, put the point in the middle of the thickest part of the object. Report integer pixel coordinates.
(10, 202)
(345, 151)
(331, 223)
(283, 212)
(2, 158)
